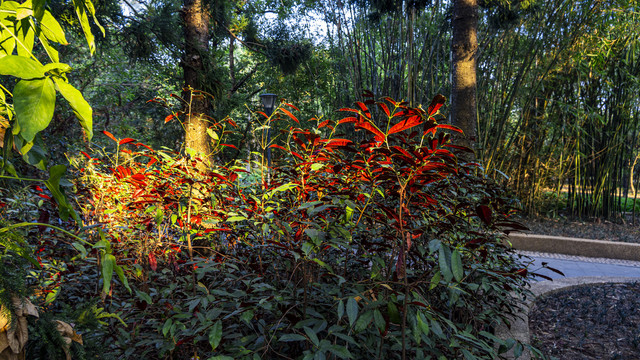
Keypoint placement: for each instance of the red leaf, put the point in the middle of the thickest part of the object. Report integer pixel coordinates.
(153, 262)
(290, 115)
(278, 147)
(229, 145)
(297, 155)
(291, 106)
(349, 109)
(484, 213)
(379, 135)
(85, 154)
(436, 104)
(323, 124)
(168, 118)
(367, 93)
(152, 161)
(384, 108)
(406, 124)
(365, 109)
(110, 135)
(139, 177)
(449, 127)
(337, 142)
(348, 120)
(233, 123)
(126, 141)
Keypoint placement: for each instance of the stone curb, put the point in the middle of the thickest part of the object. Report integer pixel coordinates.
(520, 324)
(575, 246)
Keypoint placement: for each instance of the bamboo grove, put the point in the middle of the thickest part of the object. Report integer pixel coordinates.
(557, 88)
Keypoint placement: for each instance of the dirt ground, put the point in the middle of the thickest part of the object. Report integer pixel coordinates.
(595, 322)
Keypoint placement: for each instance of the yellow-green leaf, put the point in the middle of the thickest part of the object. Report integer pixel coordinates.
(80, 106)
(52, 29)
(21, 67)
(26, 37)
(34, 101)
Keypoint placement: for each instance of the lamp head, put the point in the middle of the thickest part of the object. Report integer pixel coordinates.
(268, 100)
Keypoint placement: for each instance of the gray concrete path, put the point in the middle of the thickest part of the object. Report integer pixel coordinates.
(577, 266)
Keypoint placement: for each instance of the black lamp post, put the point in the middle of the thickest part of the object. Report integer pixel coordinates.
(269, 102)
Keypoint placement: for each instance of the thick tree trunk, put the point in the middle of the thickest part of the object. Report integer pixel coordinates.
(196, 33)
(464, 49)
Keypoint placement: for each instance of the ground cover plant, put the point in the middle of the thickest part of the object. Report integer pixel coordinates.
(388, 248)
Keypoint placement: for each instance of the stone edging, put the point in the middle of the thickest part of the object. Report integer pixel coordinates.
(520, 325)
(575, 246)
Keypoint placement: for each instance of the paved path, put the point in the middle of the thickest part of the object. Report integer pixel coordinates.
(577, 266)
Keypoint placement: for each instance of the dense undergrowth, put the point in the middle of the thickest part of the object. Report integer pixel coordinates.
(385, 249)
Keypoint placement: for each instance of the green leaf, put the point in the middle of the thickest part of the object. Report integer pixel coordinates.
(52, 29)
(340, 309)
(167, 326)
(53, 184)
(435, 280)
(456, 265)
(422, 323)
(83, 251)
(21, 67)
(378, 319)
(340, 351)
(26, 36)
(51, 51)
(215, 335)
(144, 296)
(312, 335)
(57, 67)
(394, 314)
(38, 8)
(122, 278)
(34, 101)
(363, 321)
(444, 260)
(352, 310)
(108, 264)
(292, 337)
(84, 23)
(221, 357)
(80, 106)
(23, 12)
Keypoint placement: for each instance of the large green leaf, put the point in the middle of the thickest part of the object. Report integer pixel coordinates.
(21, 67)
(108, 264)
(352, 310)
(38, 8)
(80, 106)
(26, 35)
(215, 335)
(82, 7)
(34, 101)
(52, 29)
(53, 184)
(51, 51)
(444, 260)
(456, 265)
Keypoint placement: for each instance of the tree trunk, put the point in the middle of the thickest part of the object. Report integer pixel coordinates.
(196, 33)
(464, 50)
